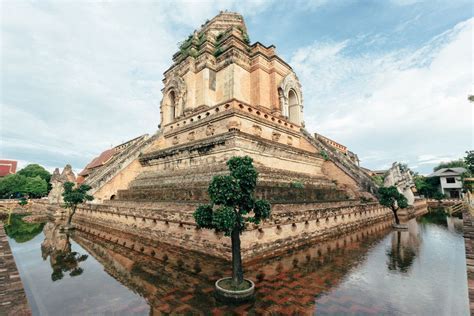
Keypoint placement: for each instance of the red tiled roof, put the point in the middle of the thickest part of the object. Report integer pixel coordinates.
(7, 167)
(80, 179)
(98, 161)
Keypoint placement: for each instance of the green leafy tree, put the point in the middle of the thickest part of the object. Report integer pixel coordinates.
(390, 197)
(469, 161)
(36, 187)
(35, 170)
(232, 201)
(75, 196)
(13, 186)
(425, 186)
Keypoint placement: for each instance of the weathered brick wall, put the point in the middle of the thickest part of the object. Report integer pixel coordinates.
(290, 226)
(12, 295)
(468, 228)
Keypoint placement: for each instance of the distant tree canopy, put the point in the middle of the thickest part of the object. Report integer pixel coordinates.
(460, 163)
(469, 161)
(35, 170)
(33, 181)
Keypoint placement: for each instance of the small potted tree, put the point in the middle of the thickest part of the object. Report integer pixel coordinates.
(390, 197)
(73, 197)
(233, 206)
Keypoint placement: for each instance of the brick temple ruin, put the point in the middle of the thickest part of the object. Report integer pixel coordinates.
(224, 97)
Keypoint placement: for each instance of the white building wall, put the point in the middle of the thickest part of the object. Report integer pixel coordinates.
(445, 185)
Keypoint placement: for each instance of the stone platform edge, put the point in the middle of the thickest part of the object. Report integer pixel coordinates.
(468, 229)
(13, 299)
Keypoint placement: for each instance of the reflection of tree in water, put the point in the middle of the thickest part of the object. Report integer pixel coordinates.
(57, 246)
(22, 231)
(435, 216)
(404, 248)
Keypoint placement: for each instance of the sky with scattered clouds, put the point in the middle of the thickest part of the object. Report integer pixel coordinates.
(388, 79)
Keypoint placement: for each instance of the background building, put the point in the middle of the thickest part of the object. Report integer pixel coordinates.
(450, 182)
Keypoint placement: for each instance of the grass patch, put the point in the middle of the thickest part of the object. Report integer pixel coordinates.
(228, 284)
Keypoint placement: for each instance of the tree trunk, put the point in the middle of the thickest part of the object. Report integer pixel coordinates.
(69, 220)
(237, 273)
(394, 210)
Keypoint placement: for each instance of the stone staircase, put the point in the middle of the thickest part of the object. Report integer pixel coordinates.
(97, 179)
(344, 163)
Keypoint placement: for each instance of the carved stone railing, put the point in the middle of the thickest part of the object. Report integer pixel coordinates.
(118, 163)
(344, 163)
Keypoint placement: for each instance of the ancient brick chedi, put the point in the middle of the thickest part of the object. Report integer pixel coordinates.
(224, 97)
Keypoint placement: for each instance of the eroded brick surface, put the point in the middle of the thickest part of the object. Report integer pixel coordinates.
(12, 295)
(468, 228)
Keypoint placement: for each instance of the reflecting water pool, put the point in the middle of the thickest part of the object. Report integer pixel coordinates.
(372, 271)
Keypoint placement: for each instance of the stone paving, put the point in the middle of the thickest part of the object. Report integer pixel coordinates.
(12, 295)
(468, 228)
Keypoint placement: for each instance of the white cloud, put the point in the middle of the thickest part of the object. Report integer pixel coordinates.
(78, 78)
(392, 106)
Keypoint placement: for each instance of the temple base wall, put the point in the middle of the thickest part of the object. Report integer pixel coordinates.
(291, 225)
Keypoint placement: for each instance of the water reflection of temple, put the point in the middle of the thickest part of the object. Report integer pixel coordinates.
(57, 246)
(173, 280)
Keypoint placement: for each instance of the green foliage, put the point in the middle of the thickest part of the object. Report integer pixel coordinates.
(245, 36)
(186, 43)
(223, 219)
(425, 186)
(390, 197)
(262, 210)
(218, 51)
(297, 185)
(33, 180)
(186, 49)
(224, 190)
(35, 170)
(22, 201)
(451, 164)
(469, 161)
(439, 196)
(201, 39)
(203, 216)
(232, 199)
(324, 154)
(74, 196)
(36, 187)
(219, 37)
(13, 185)
(378, 180)
(22, 231)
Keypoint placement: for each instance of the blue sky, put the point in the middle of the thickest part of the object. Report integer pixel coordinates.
(388, 79)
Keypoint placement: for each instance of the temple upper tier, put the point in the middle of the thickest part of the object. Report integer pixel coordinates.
(217, 64)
